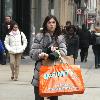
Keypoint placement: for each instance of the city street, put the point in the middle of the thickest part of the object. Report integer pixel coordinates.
(23, 90)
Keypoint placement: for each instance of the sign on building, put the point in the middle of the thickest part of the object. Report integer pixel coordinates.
(79, 11)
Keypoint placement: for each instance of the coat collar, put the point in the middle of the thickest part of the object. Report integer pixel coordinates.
(14, 32)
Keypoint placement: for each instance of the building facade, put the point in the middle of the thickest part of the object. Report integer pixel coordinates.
(98, 10)
(20, 10)
(31, 13)
(92, 12)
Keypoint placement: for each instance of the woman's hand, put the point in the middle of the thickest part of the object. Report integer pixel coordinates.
(53, 49)
(43, 55)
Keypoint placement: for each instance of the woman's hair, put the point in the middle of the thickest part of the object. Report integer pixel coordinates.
(13, 25)
(57, 29)
(68, 23)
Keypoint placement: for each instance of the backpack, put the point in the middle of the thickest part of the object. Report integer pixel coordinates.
(97, 42)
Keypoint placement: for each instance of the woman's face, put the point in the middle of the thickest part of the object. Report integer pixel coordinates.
(51, 25)
(15, 28)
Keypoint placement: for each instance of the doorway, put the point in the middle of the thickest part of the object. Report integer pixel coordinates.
(22, 15)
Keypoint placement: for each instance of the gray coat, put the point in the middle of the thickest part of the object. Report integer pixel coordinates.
(40, 42)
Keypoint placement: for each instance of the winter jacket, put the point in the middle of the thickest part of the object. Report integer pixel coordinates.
(72, 46)
(84, 39)
(15, 43)
(40, 43)
(93, 38)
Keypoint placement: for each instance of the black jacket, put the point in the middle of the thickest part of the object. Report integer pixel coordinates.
(5, 29)
(84, 39)
(72, 46)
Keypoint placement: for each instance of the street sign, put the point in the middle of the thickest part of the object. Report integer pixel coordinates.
(79, 11)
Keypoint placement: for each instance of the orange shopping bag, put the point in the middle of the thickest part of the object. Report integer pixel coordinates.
(61, 79)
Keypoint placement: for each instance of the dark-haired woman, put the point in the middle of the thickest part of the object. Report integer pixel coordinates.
(15, 43)
(45, 45)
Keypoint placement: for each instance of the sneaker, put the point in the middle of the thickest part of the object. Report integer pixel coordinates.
(15, 79)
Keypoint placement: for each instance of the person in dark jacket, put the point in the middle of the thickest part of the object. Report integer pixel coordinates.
(95, 41)
(44, 46)
(84, 42)
(6, 28)
(72, 42)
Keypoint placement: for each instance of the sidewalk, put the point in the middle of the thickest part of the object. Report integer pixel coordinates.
(23, 90)
(17, 90)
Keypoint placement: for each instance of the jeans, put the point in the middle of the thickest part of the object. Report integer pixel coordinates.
(38, 97)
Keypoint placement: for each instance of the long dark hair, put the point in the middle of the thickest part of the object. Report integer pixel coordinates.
(14, 25)
(11, 27)
(57, 31)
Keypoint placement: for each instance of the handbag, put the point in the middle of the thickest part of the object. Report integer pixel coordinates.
(60, 79)
(63, 59)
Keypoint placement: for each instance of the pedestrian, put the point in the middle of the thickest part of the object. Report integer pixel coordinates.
(95, 38)
(6, 27)
(15, 43)
(95, 41)
(45, 45)
(66, 27)
(72, 42)
(84, 42)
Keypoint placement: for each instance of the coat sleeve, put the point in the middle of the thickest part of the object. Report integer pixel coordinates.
(6, 42)
(36, 48)
(62, 45)
(24, 40)
(76, 46)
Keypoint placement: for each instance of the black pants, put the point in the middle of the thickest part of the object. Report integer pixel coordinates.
(97, 60)
(96, 51)
(38, 97)
(2, 59)
(84, 53)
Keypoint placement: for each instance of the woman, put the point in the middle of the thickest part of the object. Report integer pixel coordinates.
(72, 42)
(15, 43)
(44, 46)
